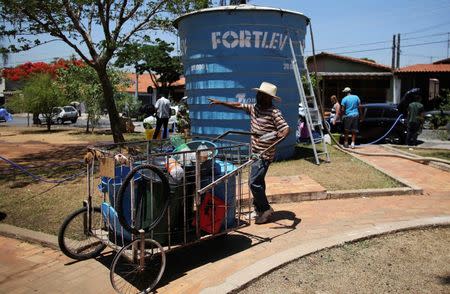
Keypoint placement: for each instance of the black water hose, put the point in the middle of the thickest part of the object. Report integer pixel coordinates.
(416, 159)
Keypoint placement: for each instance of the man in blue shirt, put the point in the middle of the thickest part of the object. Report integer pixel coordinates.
(351, 108)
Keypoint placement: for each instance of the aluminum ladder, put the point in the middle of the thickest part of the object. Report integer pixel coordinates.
(309, 103)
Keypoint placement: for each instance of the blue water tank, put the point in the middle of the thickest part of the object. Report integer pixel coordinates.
(227, 51)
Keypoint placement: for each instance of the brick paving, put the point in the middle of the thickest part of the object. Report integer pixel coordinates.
(26, 268)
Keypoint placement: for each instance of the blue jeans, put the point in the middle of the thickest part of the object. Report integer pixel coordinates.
(258, 185)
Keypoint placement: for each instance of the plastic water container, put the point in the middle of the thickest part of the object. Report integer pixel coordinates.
(111, 186)
(226, 190)
(190, 157)
(118, 234)
(175, 169)
(148, 203)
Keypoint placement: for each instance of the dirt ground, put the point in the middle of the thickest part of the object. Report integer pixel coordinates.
(16, 142)
(415, 261)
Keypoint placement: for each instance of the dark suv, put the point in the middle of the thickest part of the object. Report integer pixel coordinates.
(377, 119)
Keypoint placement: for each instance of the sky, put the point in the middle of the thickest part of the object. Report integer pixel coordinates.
(353, 28)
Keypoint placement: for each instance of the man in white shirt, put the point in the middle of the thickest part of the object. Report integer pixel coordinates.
(162, 116)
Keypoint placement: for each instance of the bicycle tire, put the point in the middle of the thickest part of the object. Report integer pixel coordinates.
(127, 276)
(88, 250)
(121, 195)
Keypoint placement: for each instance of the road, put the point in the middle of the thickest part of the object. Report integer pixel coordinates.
(22, 121)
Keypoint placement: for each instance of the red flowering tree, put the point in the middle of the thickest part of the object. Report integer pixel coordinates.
(26, 70)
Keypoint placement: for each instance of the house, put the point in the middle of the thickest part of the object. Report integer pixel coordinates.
(147, 91)
(8, 88)
(432, 79)
(371, 81)
(443, 61)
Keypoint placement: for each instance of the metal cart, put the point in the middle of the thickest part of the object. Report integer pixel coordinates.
(155, 199)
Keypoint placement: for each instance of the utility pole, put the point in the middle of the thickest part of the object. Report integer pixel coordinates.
(398, 50)
(393, 52)
(448, 44)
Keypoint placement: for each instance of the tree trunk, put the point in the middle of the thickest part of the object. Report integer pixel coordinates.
(87, 123)
(108, 96)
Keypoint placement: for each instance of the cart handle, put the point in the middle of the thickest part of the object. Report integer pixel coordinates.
(250, 161)
(234, 132)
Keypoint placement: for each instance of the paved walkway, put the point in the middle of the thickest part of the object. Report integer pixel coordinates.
(297, 228)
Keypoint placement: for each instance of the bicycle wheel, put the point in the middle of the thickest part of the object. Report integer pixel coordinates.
(130, 275)
(74, 237)
(154, 174)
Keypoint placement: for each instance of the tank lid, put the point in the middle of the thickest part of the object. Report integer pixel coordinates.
(230, 8)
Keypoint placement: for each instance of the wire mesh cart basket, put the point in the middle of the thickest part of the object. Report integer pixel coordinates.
(155, 197)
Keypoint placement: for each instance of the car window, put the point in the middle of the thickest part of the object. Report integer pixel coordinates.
(68, 108)
(57, 110)
(374, 112)
(391, 113)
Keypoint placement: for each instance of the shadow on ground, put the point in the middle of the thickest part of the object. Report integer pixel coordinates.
(445, 280)
(190, 257)
(54, 163)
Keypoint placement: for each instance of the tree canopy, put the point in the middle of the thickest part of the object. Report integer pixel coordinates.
(115, 23)
(26, 70)
(40, 95)
(154, 58)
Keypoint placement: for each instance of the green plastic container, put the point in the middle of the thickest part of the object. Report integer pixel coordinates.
(152, 205)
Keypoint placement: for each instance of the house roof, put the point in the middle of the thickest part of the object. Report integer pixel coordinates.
(355, 75)
(144, 81)
(352, 59)
(416, 68)
(447, 61)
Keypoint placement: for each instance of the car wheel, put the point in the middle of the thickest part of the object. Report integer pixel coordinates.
(59, 121)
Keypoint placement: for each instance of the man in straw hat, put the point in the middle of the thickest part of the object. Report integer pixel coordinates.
(268, 125)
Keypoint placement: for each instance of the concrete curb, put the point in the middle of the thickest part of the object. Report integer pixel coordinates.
(341, 194)
(29, 236)
(243, 277)
(441, 166)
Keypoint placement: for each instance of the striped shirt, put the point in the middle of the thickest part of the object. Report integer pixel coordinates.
(264, 121)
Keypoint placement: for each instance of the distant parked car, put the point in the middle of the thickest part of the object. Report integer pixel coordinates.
(172, 119)
(436, 118)
(4, 115)
(377, 119)
(61, 114)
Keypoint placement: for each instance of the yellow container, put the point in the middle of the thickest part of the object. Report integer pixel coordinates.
(149, 133)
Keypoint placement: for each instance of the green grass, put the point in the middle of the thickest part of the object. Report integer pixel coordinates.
(438, 153)
(43, 206)
(344, 172)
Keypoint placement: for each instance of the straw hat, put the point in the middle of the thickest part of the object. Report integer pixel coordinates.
(269, 89)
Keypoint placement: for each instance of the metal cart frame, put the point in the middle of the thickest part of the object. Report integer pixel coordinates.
(140, 260)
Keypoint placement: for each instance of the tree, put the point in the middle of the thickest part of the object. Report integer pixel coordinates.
(181, 7)
(82, 83)
(73, 22)
(154, 58)
(24, 71)
(368, 59)
(40, 95)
